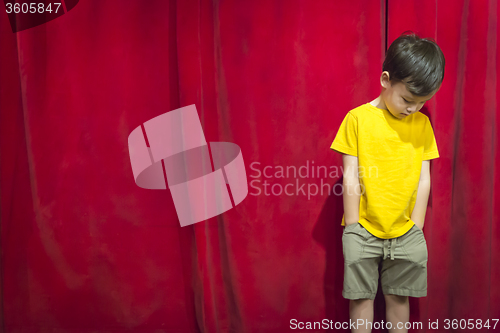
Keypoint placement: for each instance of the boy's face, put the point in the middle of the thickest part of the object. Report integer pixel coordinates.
(398, 100)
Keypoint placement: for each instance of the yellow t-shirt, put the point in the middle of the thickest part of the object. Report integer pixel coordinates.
(390, 152)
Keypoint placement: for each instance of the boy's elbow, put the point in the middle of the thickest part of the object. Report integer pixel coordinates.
(350, 179)
(424, 184)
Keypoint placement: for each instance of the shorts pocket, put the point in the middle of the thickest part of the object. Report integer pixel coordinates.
(353, 241)
(349, 226)
(416, 227)
(416, 247)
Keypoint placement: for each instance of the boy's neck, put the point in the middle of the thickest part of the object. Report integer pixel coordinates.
(379, 103)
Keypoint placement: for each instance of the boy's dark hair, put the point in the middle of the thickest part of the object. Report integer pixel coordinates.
(416, 62)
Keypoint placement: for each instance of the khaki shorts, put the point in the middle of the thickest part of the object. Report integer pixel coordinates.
(403, 263)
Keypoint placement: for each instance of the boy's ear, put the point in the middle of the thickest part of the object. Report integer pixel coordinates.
(385, 79)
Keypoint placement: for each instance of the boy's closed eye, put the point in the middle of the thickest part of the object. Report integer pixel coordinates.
(409, 102)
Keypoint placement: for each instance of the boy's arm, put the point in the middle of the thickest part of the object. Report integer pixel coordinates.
(351, 193)
(424, 187)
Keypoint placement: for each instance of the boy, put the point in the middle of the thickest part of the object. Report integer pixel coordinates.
(386, 146)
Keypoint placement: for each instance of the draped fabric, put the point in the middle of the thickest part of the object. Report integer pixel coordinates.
(84, 249)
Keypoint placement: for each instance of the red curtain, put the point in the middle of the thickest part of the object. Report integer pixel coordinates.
(84, 249)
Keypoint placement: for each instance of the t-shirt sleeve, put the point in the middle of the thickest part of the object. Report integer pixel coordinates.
(430, 146)
(346, 140)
